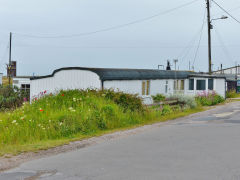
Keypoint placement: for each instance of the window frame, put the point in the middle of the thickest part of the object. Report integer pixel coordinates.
(192, 85)
(146, 87)
(212, 88)
(202, 89)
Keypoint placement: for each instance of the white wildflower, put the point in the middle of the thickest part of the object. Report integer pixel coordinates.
(74, 99)
(14, 121)
(60, 123)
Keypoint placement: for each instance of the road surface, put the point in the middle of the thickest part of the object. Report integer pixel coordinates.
(202, 147)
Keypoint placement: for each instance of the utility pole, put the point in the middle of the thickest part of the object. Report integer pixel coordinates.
(10, 60)
(209, 38)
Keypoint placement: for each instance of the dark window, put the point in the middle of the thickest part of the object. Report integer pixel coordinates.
(201, 85)
(191, 84)
(210, 84)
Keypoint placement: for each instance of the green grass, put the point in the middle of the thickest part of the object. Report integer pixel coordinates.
(74, 115)
(232, 94)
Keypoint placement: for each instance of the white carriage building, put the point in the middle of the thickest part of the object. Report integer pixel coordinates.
(144, 82)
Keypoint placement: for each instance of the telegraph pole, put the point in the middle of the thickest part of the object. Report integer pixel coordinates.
(209, 38)
(10, 60)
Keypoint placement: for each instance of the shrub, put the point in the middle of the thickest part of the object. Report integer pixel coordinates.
(11, 97)
(158, 98)
(232, 94)
(128, 101)
(185, 100)
(209, 99)
(166, 110)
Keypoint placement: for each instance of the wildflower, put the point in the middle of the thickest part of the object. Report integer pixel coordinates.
(62, 95)
(41, 110)
(45, 92)
(60, 123)
(30, 120)
(14, 121)
(74, 99)
(22, 118)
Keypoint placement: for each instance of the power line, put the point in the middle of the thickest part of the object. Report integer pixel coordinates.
(113, 27)
(226, 11)
(224, 48)
(189, 46)
(195, 56)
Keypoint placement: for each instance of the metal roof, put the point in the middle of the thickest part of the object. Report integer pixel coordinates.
(130, 74)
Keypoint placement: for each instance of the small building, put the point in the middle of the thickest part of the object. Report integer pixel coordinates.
(232, 75)
(22, 82)
(144, 82)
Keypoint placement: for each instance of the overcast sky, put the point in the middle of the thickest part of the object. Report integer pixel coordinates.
(142, 45)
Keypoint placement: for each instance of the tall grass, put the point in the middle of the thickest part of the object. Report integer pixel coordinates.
(69, 113)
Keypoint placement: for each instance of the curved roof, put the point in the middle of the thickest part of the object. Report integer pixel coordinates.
(132, 74)
(127, 74)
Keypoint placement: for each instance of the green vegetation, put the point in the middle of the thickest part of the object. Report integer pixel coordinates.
(209, 99)
(187, 101)
(54, 120)
(11, 97)
(232, 94)
(158, 98)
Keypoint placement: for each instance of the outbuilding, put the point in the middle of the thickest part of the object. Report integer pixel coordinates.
(144, 82)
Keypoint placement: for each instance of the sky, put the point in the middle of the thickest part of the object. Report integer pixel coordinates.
(147, 44)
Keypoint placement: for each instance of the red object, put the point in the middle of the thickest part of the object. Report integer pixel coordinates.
(41, 110)
(45, 92)
(62, 94)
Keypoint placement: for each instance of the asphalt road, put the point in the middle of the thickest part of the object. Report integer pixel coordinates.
(202, 147)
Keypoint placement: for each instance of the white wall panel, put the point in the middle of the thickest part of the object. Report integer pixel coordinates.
(66, 79)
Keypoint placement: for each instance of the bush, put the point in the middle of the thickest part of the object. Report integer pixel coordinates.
(158, 98)
(11, 97)
(232, 94)
(166, 110)
(128, 101)
(209, 99)
(185, 100)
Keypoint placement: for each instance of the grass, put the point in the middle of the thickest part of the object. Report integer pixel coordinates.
(232, 94)
(75, 115)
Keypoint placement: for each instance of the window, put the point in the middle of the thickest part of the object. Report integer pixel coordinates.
(166, 87)
(182, 85)
(25, 90)
(210, 84)
(201, 84)
(145, 87)
(178, 84)
(175, 84)
(191, 84)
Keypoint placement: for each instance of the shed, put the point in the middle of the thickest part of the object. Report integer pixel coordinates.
(144, 82)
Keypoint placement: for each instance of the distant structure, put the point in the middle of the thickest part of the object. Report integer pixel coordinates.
(13, 70)
(168, 66)
(232, 75)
